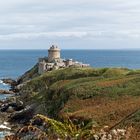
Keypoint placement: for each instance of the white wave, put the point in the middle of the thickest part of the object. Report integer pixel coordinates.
(4, 127)
(1, 82)
(5, 123)
(4, 84)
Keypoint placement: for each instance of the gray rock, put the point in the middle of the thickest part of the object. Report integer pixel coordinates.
(10, 82)
(23, 116)
(6, 92)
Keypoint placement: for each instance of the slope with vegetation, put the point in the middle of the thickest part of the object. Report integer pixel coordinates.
(107, 96)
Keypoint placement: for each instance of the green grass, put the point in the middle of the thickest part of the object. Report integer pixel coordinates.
(55, 88)
(53, 91)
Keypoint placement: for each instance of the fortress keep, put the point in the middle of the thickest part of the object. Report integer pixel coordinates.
(54, 61)
(53, 53)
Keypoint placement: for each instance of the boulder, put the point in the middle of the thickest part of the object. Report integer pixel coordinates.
(14, 106)
(18, 87)
(10, 109)
(22, 116)
(6, 92)
(9, 81)
(4, 107)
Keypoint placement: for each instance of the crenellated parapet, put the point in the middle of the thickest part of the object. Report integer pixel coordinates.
(53, 53)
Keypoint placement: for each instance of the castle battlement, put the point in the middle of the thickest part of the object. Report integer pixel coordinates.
(53, 53)
(54, 61)
(54, 47)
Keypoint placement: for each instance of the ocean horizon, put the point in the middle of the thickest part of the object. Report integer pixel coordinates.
(14, 63)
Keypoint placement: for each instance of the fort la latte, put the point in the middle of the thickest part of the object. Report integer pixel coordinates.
(54, 61)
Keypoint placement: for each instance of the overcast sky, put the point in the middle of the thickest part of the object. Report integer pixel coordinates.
(79, 24)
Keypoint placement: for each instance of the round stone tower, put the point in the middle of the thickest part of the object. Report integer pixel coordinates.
(53, 53)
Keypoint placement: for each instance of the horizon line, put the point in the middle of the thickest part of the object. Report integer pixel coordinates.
(14, 49)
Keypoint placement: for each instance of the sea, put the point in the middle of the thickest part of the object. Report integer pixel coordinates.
(14, 63)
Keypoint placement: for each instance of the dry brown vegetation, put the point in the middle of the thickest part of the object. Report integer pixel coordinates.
(104, 111)
(107, 96)
(114, 82)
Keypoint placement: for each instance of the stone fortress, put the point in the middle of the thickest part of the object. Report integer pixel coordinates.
(54, 61)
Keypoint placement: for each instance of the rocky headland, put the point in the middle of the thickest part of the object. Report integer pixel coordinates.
(73, 103)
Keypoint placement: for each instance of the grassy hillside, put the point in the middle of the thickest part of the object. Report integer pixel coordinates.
(109, 96)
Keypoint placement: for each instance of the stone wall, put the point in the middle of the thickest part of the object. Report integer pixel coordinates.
(42, 67)
(53, 53)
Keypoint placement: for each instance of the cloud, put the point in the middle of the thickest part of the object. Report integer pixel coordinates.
(30, 36)
(69, 19)
(118, 35)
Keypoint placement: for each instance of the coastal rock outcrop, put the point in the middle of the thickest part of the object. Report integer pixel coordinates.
(6, 92)
(12, 106)
(9, 81)
(23, 115)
